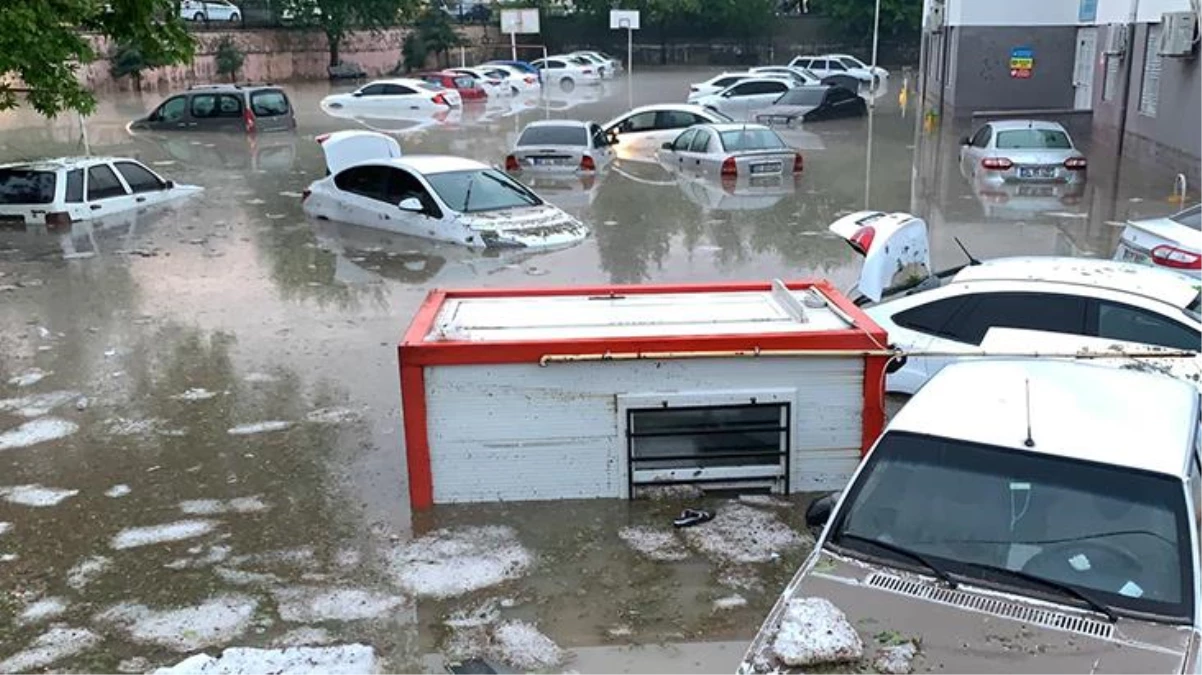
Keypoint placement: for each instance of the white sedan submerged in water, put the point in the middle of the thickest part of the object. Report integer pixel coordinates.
(438, 197)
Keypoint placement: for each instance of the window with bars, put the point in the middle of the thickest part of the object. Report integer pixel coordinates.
(1149, 91)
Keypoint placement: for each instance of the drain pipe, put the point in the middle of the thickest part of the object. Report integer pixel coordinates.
(1129, 57)
(1180, 185)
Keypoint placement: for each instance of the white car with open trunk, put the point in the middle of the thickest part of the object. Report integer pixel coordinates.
(439, 197)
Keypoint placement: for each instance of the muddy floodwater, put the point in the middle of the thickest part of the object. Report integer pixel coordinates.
(200, 415)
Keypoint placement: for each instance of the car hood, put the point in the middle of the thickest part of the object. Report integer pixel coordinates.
(973, 630)
(543, 226)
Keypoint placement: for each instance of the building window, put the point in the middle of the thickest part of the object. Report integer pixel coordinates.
(1149, 91)
(709, 444)
(1110, 83)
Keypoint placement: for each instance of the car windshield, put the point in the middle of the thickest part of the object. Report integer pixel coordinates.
(751, 139)
(1118, 534)
(554, 135)
(1191, 217)
(801, 96)
(1033, 139)
(480, 190)
(25, 186)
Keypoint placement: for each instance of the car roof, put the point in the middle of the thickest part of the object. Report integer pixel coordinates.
(1117, 416)
(55, 163)
(733, 126)
(408, 81)
(1005, 125)
(440, 73)
(225, 86)
(655, 107)
(435, 164)
(1149, 282)
(559, 123)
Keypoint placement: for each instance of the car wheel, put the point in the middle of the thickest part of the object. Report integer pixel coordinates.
(567, 84)
(234, 18)
(199, 17)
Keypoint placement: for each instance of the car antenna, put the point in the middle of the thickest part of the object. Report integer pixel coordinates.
(1030, 441)
(971, 259)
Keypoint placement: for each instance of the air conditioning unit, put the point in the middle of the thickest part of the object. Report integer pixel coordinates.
(1177, 33)
(1116, 39)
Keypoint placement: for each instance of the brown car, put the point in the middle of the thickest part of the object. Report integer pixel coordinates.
(1016, 516)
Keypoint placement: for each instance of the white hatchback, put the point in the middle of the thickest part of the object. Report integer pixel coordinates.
(57, 192)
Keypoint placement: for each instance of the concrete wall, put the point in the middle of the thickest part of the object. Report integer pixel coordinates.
(272, 55)
(1010, 13)
(979, 68)
(524, 432)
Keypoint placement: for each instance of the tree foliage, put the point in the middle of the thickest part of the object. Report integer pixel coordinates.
(855, 17)
(42, 45)
(338, 17)
(432, 34)
(229, 58)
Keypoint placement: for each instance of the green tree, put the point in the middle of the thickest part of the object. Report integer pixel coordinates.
(42, 46)
(229, 58)
(338, 17)
(128, 61)
(899, 18)
(436, 33)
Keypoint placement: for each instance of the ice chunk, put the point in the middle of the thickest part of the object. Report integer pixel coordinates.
(40, 610)
(57, 643)
(522, 646)
(335, 660)
(310, 605)
(742, 534)
(34, 495)
(195, 394)
(209, 507)
(215, 621)
(5, 527)
(813, 630)
(37, 431)
(85, 571)
(730, 602)
(29, 377)
(332, 415)
(450, 562)
(36, 405)
(305, 635)
(132, 537)
(654, 544)
(896, 659)
(258, 427)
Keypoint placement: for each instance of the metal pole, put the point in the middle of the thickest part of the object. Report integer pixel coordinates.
(629, 66)
(876, 36)
(513, 46)
(868, 161)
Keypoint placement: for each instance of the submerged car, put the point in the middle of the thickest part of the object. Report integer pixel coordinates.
(1172, 242)
(386, 98)
(743, 99)
(58, 192)
(643, 130)
(1015, 516)
(811, 104)
(945, 317)
(222, 107)
(730, 151)
(438, 197)
(1021, 151)
(464, 85)
(559, 146)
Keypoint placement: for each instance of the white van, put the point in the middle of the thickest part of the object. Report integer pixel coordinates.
(61, 191)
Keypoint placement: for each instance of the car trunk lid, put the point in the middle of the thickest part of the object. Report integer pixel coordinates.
(346, 148)
(895, 248)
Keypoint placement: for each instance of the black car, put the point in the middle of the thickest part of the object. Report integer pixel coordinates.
(812, 103)
(222, 107)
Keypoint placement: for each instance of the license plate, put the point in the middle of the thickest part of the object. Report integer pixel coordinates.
(1128, 254)
(1036, 172)
(767, 167)
(546, 161)
(1028, 191)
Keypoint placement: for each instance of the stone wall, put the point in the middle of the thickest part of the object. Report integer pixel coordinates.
(272, 55)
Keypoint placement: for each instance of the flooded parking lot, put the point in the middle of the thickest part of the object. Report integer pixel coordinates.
(200, 440)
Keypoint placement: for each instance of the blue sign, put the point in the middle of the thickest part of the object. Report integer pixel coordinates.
(1087, 11)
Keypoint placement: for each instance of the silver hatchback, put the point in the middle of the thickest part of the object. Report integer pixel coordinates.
(1021, 151)
(560, 146)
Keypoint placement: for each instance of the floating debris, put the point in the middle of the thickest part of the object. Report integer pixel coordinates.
(742, 534)
(40, 610)
(133, 537)
(195, 394)
(312, 605)
(5, 527)
(451, 562)
(209, 507)
(654, 544)
(730, 602)
(29, 377)
(353, 659)
(332, 415)
(55, 644)
(37, 431)
(36, 405)
(765, 501)
(35, 495)
(813, 630)
(258, 428)
(85, 571)
(117, 491)
(259, 378)
(215, 621)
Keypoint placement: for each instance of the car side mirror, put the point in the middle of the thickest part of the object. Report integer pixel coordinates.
(667, 146)
(412, 204)
(727, 94)
(357, 94)
(819, 511)
(169, 184)
(965, 140)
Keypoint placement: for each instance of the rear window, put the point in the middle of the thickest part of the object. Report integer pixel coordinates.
(269, 103)
(1191, 217)
(431, 87)
(751, 139)
(801, 96)
(553, 135)
(1033, 139)
(24, 186)
(464, 82)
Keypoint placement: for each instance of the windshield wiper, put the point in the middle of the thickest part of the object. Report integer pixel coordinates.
(903, 551)
(467, 198)
(1062, 588)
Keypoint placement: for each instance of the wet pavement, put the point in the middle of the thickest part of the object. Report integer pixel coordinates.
(199, 409)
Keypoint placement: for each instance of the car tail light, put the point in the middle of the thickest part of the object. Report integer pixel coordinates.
(1074, 163)
(729, 168)
(58, 218)
(862, 239)
(528, 79)
(996, 163)
(441, 100)
(511, 163)
(798, 163)
(305, 195)
(1176, 258)
(323, 138)
(249, 118)
(587, 164)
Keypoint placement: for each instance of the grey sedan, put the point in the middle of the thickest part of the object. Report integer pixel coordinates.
(731, 152)
(1021, 151)
(560, 146)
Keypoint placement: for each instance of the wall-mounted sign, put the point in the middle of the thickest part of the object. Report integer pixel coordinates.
(1087, 11)
(1022, 60)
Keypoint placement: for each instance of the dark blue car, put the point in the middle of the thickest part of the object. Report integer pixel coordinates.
(520, 65)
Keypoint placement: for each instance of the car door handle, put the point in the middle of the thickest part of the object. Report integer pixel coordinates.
(94, 207)
(140, 199)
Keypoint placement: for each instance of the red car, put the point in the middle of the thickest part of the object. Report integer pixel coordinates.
(465, 84)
